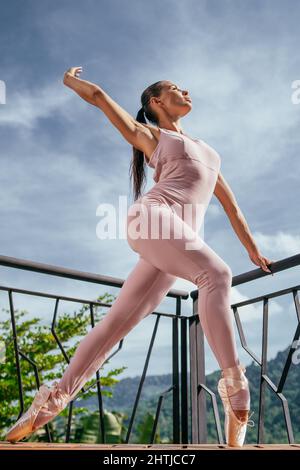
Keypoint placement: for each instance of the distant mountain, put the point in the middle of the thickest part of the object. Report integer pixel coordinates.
(124, 394)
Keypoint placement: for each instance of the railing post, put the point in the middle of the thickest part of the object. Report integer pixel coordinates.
(197, 376)
(264, 358)
(16, 350)
(175, 374)
(184, 383)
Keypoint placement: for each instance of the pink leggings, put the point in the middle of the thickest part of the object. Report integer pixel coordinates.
(161, 261)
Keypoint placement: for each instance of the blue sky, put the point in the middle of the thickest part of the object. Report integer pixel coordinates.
(61, 157)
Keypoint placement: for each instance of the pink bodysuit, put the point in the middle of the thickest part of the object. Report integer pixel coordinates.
(185, 173)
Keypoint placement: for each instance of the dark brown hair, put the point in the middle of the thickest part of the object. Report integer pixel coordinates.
(137, 166)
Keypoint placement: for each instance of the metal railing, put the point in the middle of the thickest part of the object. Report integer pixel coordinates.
(188, 390)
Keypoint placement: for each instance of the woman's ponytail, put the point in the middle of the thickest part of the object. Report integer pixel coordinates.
(137, 166)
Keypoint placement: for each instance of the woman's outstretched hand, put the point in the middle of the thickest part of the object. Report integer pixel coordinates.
(260, 260)
(74, 71)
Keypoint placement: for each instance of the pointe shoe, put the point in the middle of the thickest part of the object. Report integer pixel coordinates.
(24, 425)
(235, 428)
(49, 408)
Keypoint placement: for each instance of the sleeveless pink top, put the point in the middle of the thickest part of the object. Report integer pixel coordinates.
(185, 172)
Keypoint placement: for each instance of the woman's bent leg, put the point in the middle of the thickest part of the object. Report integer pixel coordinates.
(204, 267)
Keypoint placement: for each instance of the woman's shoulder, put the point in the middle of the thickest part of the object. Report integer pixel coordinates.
(154, 129)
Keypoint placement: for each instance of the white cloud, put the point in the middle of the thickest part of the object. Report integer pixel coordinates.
(281, 244)
(24, 108)
(253, 312)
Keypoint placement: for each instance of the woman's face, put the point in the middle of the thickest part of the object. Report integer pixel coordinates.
(174, 101)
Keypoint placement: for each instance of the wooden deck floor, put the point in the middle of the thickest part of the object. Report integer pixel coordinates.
(133, 447)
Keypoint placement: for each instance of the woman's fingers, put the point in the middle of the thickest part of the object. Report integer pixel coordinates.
(75, 70)
(261, 261)
(265, 267)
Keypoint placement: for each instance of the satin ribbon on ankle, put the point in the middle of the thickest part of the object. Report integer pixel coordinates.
(60, 398)
(250, 422)
(232, 371)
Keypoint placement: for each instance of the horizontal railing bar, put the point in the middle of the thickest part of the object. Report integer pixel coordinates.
(277, 266)
(281, 265)
(61, 271)
(277, 293)
(53, 296)
(74, 299)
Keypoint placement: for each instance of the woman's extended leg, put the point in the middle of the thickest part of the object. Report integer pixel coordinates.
(143, 290)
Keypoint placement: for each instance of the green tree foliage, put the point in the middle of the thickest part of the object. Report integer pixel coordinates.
(41, 360)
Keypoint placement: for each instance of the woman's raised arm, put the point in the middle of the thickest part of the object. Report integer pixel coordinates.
(136, 133)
